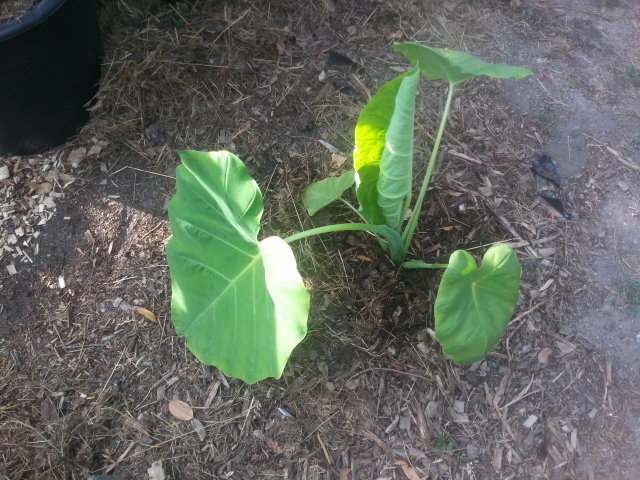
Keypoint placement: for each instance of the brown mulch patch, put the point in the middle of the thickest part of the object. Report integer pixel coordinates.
(87, 380)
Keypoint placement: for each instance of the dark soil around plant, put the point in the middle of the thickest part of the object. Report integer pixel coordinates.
(87, 380)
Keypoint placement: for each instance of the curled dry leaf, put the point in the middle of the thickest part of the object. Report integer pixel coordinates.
(147, 313)
(544, 354)
(133, 426)
(408, 470)
(76, 156)
(337, 160)
(181, 410)
(274, 446)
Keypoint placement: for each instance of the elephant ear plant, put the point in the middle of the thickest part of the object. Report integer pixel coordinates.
(240, 302)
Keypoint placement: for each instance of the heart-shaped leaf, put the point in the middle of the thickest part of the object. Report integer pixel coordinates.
(320, 194)
(241, 304)
(474, 305)
(384, 151)
(454, 66)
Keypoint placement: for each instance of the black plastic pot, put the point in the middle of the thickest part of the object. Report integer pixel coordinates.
(49, 71)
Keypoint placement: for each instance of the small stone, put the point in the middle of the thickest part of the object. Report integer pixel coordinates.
(156, 471)
(529, 422)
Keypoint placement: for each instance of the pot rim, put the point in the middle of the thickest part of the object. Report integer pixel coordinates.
(38, 14)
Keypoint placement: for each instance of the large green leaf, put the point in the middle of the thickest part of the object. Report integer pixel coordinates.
(320, 194)
(240, 304)
(396, 164)
(474, 305)
(454, 66)
(384, 149)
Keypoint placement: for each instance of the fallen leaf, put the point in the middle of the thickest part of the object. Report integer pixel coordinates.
(408, 470)
(48, 411)
(274, 446)
(497, 457)
(40, 188)
(181, 410)
(53, 176)
(344, 473)
(544, 354)
(198, 427)
(245, 127)
(329, 147)
(147, 313)
(97, 148)
(146, 420)
(565, 347)
(76, 156)
(485, 191)
(331, 7)
(132, 425)
(337, 160)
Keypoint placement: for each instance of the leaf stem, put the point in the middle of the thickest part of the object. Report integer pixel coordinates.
(392, 237)
(413, 220)
(414, 264)
(354, 209)
(384, 245)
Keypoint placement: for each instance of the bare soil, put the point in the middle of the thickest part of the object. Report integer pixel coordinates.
(86, 380)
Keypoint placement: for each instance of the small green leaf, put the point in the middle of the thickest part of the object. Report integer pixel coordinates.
(474, 306)
(320, 194)
(454, 66)
(385, 130)
(240, 304)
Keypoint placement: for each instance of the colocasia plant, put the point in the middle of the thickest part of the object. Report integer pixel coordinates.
(241, 303)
